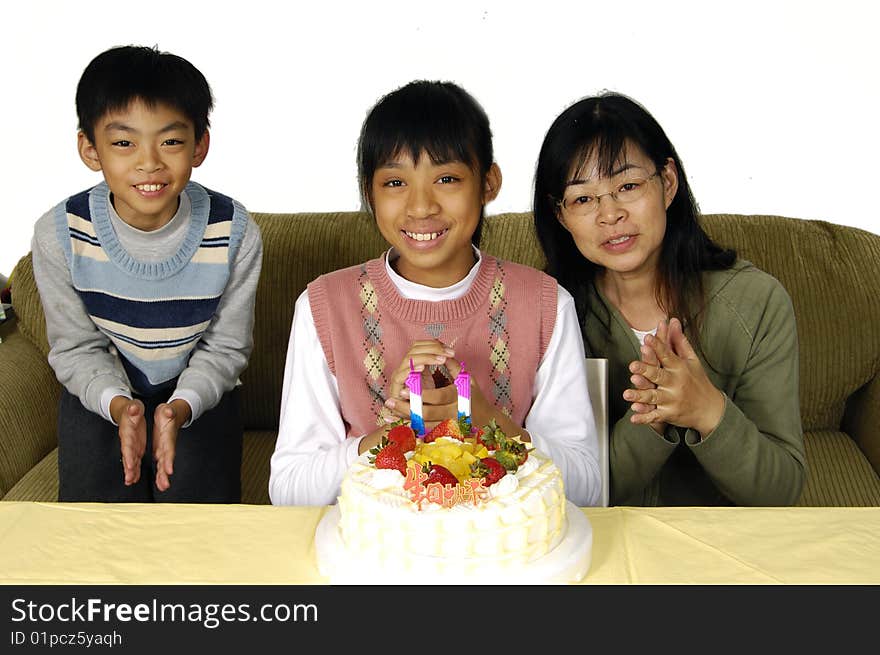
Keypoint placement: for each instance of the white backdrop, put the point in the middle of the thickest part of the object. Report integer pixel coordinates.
(773, 106)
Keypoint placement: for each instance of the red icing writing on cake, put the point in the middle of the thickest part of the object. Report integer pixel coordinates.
(473, 491)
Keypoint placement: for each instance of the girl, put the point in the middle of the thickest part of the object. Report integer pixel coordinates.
(426, 171)
(702, 347)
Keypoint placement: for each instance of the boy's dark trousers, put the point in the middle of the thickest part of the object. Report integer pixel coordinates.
(207, 461)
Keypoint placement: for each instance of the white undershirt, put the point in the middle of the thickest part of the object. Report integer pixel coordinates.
(641, 334)
(312, 452)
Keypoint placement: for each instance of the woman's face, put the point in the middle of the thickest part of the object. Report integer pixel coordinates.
(619, 222)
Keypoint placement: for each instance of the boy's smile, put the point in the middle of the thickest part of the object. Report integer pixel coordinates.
(146, 155)
(428, 212)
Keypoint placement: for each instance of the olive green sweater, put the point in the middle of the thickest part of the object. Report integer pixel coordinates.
(756, 454)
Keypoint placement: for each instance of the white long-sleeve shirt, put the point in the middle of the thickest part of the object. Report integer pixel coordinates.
(312, 453)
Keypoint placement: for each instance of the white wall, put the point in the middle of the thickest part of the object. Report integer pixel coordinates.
(773, 106)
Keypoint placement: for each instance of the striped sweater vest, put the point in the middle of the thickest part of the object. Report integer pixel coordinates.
(153, 312)
(500, 329)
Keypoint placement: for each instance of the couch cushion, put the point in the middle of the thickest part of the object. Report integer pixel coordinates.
(832, 274)
(41, 482)
(839, 474)
(297, 248)
(28, 404)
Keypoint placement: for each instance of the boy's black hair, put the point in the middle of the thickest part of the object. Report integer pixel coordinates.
(117, 76)
(439, 118)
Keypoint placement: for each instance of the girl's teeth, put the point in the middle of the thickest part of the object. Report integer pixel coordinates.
(618, 240)
(423, 237)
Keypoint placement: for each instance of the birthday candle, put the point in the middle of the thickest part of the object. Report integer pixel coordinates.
(414, 384)
(463, 386)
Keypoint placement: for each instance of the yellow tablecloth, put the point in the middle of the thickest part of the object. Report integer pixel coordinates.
(56, 543)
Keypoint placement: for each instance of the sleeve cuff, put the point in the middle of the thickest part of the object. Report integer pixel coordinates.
(351, 451)
(107, 397)
(192, 399)
(692, 437)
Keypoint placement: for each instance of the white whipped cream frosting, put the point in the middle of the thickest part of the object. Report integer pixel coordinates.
(504, 487)
(527, 468)
(387, 479)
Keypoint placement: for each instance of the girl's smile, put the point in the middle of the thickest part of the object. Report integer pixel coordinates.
(426, 240)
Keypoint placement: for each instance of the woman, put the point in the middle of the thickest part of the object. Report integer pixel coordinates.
(702, 346)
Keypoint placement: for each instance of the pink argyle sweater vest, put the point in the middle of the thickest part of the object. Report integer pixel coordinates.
(500, 329)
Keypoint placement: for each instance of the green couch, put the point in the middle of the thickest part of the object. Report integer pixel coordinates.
(832, 273)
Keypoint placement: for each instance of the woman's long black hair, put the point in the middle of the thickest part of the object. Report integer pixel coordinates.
(603, 126)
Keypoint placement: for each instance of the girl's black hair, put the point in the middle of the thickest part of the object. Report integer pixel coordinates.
(603, 126)
(120, 75)
(438, 118)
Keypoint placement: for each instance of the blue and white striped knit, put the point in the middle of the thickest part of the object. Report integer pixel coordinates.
(153, 312)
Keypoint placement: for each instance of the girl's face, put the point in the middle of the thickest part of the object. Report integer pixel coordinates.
(428, 213)
(623, 232)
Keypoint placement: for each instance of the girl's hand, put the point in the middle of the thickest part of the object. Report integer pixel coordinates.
(437, 404)
(683, 394)
(422, 354)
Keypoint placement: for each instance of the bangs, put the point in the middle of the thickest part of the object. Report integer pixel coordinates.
(606, 150)
(439, 119)
(413, 131)
(120, 76)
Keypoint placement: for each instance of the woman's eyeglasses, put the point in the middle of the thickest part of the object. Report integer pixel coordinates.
(579, 202)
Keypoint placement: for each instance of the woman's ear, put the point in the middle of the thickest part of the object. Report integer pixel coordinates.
(87, 152)
(669, 175)
(492, 184)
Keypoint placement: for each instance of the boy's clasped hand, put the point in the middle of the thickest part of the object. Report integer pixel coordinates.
(167, 421)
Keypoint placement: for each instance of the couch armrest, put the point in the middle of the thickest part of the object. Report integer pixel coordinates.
(29, 395)
(861, 420)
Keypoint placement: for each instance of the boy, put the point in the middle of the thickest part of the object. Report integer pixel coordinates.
(148, 283)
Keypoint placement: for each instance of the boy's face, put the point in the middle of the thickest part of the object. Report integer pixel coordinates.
(429, 212)
(146, 155)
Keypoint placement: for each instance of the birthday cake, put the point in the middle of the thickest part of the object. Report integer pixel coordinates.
(457, 506)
